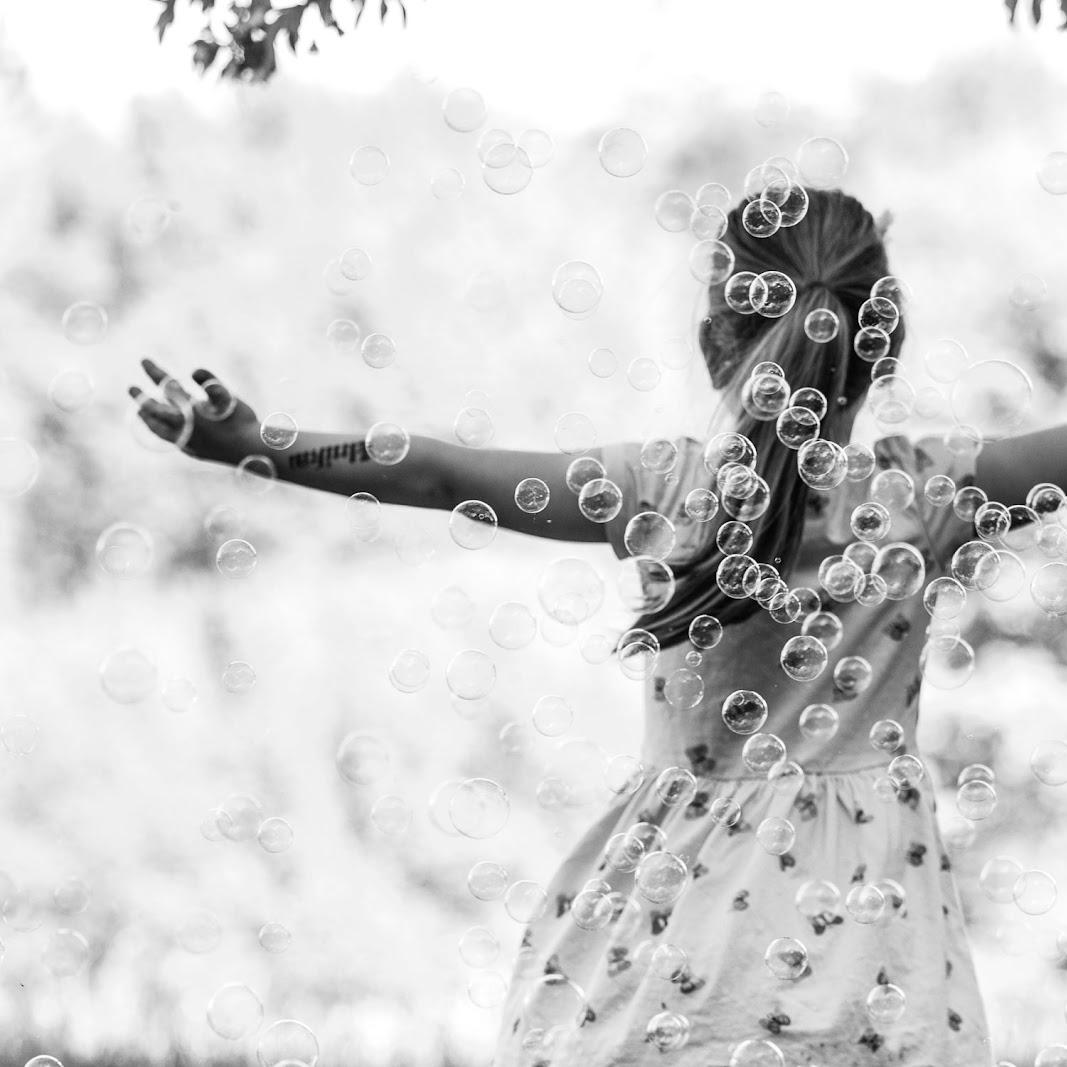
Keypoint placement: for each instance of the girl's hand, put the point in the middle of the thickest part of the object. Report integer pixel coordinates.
(221, 428)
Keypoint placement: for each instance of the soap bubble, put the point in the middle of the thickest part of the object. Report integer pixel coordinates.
(525, 901)
(235, 558)
(946, 360)
(600, 500)
(673, 209)
(473, 525)
(998, 877)
(71, 389)
(602, 362)
(532, 496)
(355, 264)
(622, 152)
(275, 835)
(570, 590)
(976, 800)
(66, 953)
(886, 1004)
(19, 466)
(287, 1042)
(772, 293)
(1052, 173)
(479, 808)
(487, 880)
(901, 566)
(234, 1011)
(84, 323)
(278, 430)
(661, 877)
(1048, 587)
(776, 835)
(1034, 892)
(512, 625)
(127, 675)
(274, 937)
(1028, 291)
(1048, 762)
(387, 443)
(711, 262)
(822, 162)
(865, 902)
(362, 758)
(946, 661)
(378, 350)
(786, 958)
(993, 397)
(577, 287)
(757, 1052)
(803, 658)
(508, 169)
(821, 325)
(447, 184)
(124, 550)
(368, 164)
(871, 343)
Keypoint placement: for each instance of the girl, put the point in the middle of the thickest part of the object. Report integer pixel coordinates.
(772, 888)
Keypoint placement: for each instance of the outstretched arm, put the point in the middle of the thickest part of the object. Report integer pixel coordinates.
(433, 473)
(1007, 470)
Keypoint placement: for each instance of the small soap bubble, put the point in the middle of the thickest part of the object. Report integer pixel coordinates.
(772, 109)
(1052, 173)
(447, 184)
(71, 390)
(234, 1011)
(368, 164)
(355, 264)
(378, 350)
(344, 336)
(622, 152)
(473, 524)
(602, 362)
(387, 443)
(822, 162)
(84, 323)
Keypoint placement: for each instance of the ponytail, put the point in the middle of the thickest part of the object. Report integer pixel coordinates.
(834, 255)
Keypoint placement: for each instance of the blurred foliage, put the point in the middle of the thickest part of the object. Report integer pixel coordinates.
(115, 794)
(244, 47)
(1036, 8)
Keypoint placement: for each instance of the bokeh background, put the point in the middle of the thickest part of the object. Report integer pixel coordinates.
(124, 912)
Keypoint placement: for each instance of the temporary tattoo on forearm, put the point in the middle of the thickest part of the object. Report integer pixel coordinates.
(317, 458)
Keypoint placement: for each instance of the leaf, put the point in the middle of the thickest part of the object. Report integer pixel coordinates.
(1063, 9)
(289, 22)
(359, 13)
(326, 13)
(166, 17)
(1011, 6)
(1035, 11)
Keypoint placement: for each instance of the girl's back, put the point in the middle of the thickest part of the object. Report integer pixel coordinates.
(812, 910)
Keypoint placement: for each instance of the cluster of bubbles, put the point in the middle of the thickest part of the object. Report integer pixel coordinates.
(235, 1012)
(24, 909)
(241, 818)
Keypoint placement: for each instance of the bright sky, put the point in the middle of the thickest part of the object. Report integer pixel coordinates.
(568, 63)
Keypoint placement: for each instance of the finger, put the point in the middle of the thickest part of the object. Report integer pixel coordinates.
(217, 393)
(171, 386)
(152, 410)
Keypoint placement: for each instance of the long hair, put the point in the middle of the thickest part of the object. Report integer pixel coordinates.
(834, 256)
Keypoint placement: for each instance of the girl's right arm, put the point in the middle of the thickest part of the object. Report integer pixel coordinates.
(433, 473)
(1007, 470)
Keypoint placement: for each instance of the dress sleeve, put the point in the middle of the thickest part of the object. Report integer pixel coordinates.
(945, 529)
(645, 490)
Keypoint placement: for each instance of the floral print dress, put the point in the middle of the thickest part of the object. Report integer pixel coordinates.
(875, 966)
